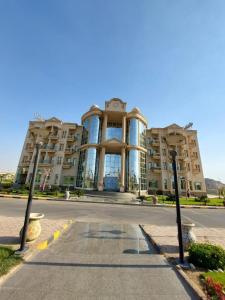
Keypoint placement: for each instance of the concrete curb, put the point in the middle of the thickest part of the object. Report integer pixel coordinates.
(117, 203)
(200, 294)
(32, 252)
(44, 244)
(191, 283)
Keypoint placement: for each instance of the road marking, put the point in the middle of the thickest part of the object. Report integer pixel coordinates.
(42, 245)
(56, 234)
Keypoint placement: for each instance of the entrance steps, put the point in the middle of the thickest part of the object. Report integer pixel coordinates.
(114, 196)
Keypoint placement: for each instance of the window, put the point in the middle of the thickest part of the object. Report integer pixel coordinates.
(165, 165)
(164, 152)
(188, 167)
(59, 160)
(56, 179)
(61, 147)
(190, 185)
(173, 184)
(74, 161)
(68, 180)
(38, 177)
(153, 184)
(182, 183)
(165, 184)
(64, 134)
(198, 186)
(150, 165)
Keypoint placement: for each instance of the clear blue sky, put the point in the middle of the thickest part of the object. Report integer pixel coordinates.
(167, 57)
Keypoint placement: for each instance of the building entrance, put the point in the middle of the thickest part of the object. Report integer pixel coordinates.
(112, 172)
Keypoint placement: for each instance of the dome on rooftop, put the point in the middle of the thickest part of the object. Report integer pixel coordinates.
(93, 107)
(136, 110)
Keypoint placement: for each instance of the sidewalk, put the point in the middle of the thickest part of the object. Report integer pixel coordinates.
(165, 237)
(97, 261)
(11, 226)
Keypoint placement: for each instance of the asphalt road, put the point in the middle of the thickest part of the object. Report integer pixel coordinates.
(113, 213)
(97, 261)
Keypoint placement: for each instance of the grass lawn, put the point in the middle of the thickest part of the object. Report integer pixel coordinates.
(216, 276)
(7, 260)
(190, 201)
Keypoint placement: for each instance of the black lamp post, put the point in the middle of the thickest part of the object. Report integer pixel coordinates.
(179, 229)
(139, 188)
(29, 202)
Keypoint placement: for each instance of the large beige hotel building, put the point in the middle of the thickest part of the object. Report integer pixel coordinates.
(113, 150)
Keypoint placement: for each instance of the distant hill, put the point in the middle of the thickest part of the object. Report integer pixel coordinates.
(212, 186)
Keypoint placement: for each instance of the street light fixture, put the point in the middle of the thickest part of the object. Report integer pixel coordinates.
(41, 133)
(175, 139)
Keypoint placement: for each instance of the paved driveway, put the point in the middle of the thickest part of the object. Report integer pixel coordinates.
(108, 213)
(97, 261)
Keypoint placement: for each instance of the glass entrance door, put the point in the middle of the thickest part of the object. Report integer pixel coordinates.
(112, 172)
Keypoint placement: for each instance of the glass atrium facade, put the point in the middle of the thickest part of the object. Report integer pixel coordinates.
(109, 168)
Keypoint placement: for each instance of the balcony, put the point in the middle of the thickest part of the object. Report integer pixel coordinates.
(182, 171)
(30, 149)
(25, 163)
(196, 171)
(155, 142)
(46, 162)
(192, 144)
(156, 169)
(71, 138)
(53, 136)
(67, 164)
(156, 155)
(49, 148)
(69, 151)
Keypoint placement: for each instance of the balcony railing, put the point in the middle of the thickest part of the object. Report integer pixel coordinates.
(46, 162)
(71, 137)
(25, 163)
(69, 150)
(67, 164)
(30, 149)
(50, 147)
(53, 136)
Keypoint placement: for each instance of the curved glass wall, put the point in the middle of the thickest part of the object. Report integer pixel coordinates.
(136, 132)
(142, 134)
(133, 132)
(133, 170)
(87, 168)
(91, 130)
(136, 172)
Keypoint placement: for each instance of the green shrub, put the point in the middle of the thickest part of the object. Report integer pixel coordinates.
(6, 185)
(142, 197)
(79, 193)
(159, 192)
(171, 198)
(207, 256)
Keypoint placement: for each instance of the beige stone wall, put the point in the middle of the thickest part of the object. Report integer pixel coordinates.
(159, 167)
(54, 164)
(62, 162)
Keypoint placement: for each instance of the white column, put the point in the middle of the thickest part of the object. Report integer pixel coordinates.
(124, 129)
(104, 127)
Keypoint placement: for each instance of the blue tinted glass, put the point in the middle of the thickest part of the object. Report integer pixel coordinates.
(94, 130)
(91, 130)
(133, 132)
(134, 173)
(114, 133)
